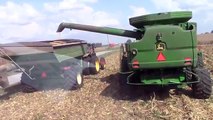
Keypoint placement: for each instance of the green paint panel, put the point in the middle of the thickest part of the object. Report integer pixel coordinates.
(162, 81)
(31, 59)
(161, 18)
(69, 52)
(178, 46)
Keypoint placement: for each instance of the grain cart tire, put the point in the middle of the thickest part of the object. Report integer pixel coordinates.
(86, 64)
(25, 87)
(202, 89)
(73, 79)
(94, 65)
(102, 63)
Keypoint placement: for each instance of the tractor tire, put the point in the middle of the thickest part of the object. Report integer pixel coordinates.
(102, 63)
(25, 87)
(86, 64)
(94, 65)
(73, 79)
(202, 89)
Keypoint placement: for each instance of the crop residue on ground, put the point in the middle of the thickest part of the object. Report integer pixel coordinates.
(101, 98)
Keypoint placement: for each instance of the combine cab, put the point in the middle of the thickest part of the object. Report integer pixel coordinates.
(164, 53)
(52, 64)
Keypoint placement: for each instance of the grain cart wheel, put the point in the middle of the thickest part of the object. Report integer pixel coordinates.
(94, 65)
(73, 79)
(86, 64)
(26, 87)
(102, 63)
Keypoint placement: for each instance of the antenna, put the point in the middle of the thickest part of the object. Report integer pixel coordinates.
(108, 40)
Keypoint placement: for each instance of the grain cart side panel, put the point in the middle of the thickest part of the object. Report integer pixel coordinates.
(44, 63)
(68, 52)
(29, 53)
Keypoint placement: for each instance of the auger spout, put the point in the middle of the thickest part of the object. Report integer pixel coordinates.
(105, 30)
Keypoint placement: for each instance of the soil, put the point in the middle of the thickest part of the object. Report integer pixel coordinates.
(101, 98)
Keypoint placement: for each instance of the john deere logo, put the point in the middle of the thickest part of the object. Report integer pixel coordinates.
(160, 46)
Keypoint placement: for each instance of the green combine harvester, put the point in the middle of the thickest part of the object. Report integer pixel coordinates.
(164, 53)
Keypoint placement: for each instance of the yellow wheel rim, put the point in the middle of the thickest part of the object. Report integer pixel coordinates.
(97, 65)
(79, 79)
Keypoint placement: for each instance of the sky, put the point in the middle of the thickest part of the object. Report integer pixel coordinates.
(36, 20)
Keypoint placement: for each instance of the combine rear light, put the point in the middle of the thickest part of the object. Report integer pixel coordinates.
(43, 75)
(188, 61)
(161, 57)
(66, 68)
(135, 64)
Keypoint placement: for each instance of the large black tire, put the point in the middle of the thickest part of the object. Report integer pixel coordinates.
(200, 63)
(86, 64)
(94, 65)
(73, 79)
(123, 68)
(202, 89)
(102, 63)
(123, 76)
(25, 83)
(126, 91)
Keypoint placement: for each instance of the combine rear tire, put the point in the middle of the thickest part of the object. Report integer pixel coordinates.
(202, 89)
(94, 65)
(73, 79)
(200, 63)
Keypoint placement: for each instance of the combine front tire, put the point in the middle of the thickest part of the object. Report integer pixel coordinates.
(202, 89)
(123, 76)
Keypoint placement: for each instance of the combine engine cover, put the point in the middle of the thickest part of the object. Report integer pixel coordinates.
(168, 41)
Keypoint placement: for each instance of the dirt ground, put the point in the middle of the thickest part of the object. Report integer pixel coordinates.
(100, 98)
